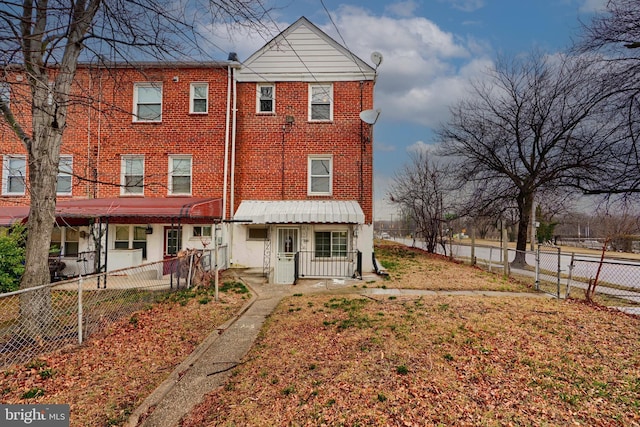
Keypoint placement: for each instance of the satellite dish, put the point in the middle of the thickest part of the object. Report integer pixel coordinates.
(370, 116)
(376, 58)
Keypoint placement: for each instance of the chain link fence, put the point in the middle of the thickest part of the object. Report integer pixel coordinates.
(51, 317)
(615, 282)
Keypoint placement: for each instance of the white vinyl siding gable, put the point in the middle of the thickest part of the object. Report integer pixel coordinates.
(303, 52)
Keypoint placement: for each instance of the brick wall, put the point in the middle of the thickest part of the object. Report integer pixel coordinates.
(101, 128)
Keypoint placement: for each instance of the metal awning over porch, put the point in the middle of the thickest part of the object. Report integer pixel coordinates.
(300, 212)
(150, 210)
(147, 208)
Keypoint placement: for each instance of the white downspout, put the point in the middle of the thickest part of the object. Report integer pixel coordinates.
(226, 146)
(233, 162)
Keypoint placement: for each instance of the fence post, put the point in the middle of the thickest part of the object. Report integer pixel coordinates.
(559, 273)
(538, 269)
(505, 254)
(570, 275)
(80, 310)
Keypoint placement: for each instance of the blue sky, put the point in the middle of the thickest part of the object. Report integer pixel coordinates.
(431, 50)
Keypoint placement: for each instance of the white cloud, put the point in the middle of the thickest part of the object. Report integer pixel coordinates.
(466, 5)
(381, 146)
(425, 69)
(402, 8)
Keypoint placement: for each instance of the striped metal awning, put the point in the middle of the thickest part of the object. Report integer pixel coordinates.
(300, 212)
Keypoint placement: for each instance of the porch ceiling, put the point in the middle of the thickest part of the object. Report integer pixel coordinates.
(300, 211)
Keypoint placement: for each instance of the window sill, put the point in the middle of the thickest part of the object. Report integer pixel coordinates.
(203, 113)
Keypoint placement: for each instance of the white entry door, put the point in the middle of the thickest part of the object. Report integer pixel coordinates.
(287, 247)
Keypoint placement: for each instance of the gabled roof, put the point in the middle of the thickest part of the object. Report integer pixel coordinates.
(300, 212)
(303, 52)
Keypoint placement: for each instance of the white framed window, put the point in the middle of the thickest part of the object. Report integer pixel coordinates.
(65, 240)
(320, 102)
(131, 237)
(199, 98)
(131, 175)
(202, 231)
(330, 244)
(319, 182)
(180, 175)
(14, 172)
(65, 174)
(147, 102)
(5, 92)
(266, 98)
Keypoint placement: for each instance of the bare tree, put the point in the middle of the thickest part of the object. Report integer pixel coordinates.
(530, 127)
(45, 40)
(421, 190)
(614, 34)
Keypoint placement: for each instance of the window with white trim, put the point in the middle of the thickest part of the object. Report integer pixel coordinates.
(266, 98)
(330, 244)
(66, 241)
(131, 175)
(14, 172)
(199, 98)
(147, 102)
(320, 175)
(131, 237)
(202, 231)
(65, 175)
(320, 102)
(180, 175)
(5, 92)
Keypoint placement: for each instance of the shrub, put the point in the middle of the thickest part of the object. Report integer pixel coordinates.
(12, 242)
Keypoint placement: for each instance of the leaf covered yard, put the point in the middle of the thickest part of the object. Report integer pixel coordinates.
(114, 371)
(444, 360)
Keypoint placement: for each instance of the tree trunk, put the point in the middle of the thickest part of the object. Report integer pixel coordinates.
(44, 155)
(525, 202)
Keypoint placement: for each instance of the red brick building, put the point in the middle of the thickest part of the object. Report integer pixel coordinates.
(272, 149)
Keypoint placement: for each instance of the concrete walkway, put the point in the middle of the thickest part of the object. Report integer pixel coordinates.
(210, 365)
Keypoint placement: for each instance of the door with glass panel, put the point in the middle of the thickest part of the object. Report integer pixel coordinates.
(287, 246)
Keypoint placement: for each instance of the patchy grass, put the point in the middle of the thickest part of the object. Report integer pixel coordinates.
(412, 268)
(439, 360)
(107, 377)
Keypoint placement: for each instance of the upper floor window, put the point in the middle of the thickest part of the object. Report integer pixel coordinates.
(266, 98)
(65, 174)
(320, 175)
(180, 175)
(131, 175)
(5, 92)
(199, 98)
(14, 172)
(147, 102)
(320, 102)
